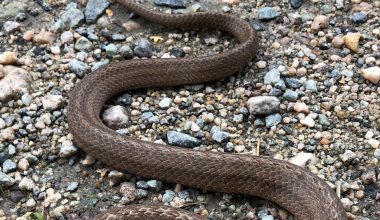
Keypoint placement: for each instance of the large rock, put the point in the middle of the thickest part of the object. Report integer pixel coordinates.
(94, 9)
(14, 83)
(72, 17)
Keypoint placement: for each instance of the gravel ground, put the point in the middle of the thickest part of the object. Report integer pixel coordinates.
(310, 97)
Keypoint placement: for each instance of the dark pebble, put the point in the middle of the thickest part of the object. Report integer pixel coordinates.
(258, 26)
(143, 48)
(296, 3)
(171, 3)
(181, 139)
(335, 74)
(275, 92)
(21, 17)
(177, 52)
(33, 11)
(293, 83)
(370, 191)
(44, 5)
(17, 196)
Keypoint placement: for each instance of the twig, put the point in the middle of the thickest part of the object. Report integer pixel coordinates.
(192, 203)
(258, 148)
(337, 185)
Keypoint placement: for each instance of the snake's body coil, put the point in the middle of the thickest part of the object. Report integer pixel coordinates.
(292, 187)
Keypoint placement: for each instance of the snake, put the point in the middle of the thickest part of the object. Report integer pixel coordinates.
(292, 187)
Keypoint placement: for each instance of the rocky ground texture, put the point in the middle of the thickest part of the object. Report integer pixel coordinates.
(311, 97)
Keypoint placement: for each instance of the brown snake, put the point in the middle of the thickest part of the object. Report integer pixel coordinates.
(294, 188)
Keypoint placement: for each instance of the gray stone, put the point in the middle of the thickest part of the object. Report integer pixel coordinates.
(143, 48)
(226, 8)
(267, 13)
(280, 85)
(171, 3)
(11, 9)
(359, 17)
(211, 40)
(263, 105)
(238, 118)
(182, 140)
(67, 37)
(377, 153)
(11, 26)
(275, 92)
(220, 136)
(111, 49)
(58, 26)
(293, 83)
(83, 44)
(168, 196)
(67, 149)
(118, 37)
(5, 180)
(273, 120)
(11, 150)
(296, 3)
(348, 155)
(78, 67)
(272, 77)
(21, 17)
(267, 217)
(311, 86)
(141, 184)
(326, 9)
(146, 116)
(155, 185)
(72, 186)
(154, 119)
(26, 99)
(184, 194)
(94, 9)
(26, 184)
(141, 193)
(31, 158)
(9, 166)
(290, 95)
(73, 17)
(347, 73)
(126, 51)
(259, 123)
(323, 120)
(97, 65)
(165, 103)
(17, 196)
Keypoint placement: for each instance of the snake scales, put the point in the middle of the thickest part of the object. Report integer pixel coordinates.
(292, 187)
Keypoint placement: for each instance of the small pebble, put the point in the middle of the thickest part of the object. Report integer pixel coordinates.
(181, 139)
(143, 48)
(372, 74)
(267, 13)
